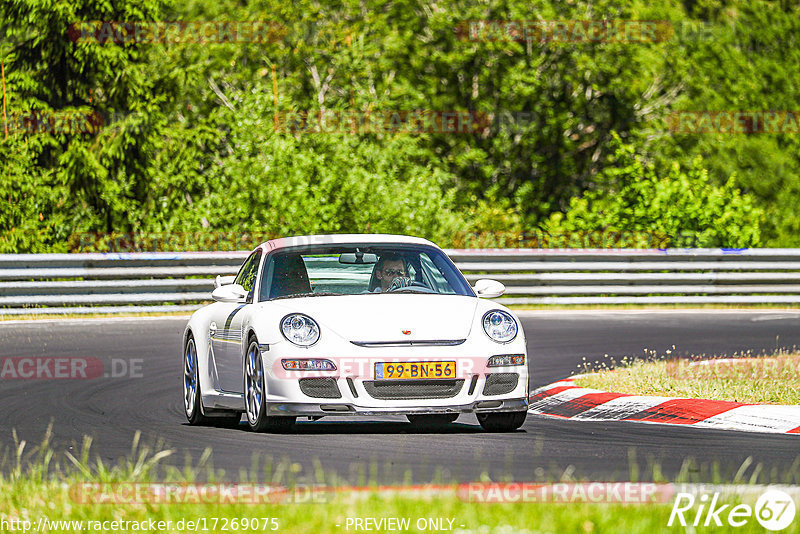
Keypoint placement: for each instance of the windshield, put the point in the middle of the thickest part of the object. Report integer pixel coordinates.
(360, 269)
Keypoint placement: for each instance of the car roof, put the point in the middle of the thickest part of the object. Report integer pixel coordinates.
(338, 239)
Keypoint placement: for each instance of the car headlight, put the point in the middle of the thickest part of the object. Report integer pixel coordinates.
(504, 360)
(300, 329)
(499, 326)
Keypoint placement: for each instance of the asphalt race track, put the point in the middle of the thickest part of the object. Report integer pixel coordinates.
(111, 409)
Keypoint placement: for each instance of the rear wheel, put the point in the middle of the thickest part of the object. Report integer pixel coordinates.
(437, 419)
(255, 395)
(501, 422)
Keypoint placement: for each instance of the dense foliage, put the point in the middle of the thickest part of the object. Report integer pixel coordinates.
(571, 136)
(679, 207)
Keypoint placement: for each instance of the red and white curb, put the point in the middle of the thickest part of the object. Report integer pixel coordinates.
(566, 400)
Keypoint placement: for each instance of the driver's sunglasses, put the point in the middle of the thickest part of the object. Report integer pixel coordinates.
(394, 272)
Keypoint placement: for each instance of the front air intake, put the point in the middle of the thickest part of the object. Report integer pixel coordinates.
(500, 383)
(320, 388)
(413, 389)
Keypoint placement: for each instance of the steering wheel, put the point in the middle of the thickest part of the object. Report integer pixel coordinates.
(406, 284)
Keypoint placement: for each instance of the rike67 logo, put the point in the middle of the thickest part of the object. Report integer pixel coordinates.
(774, 510)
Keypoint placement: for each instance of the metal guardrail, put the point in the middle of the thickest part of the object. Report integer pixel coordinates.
(170, 281)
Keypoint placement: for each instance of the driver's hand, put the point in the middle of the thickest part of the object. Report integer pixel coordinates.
(400, 282)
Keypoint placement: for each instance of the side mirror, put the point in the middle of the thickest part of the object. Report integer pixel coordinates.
(223, 280)
(229, 293)
(489, 289)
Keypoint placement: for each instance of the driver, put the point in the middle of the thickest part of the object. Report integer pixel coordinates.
(388, 267)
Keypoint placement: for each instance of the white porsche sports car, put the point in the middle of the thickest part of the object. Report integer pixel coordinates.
(360, 325)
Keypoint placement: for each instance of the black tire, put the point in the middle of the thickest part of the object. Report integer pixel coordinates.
(502, 421)
(430, 420)
(255, 398)
(192, 396)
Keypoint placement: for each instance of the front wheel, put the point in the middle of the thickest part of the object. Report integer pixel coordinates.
(502, 422)
(255, 395)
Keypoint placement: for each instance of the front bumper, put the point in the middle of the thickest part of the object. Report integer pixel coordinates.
(482, 390)
(301, 409)
(353, 388)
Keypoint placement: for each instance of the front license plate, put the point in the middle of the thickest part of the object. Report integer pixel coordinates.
(414, 370)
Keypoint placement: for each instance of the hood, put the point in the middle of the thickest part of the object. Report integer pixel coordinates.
(385, 317)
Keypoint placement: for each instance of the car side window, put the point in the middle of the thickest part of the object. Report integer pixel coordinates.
(247, 274)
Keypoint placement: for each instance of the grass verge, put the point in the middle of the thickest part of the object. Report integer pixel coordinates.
(42, 496)
(759, 380)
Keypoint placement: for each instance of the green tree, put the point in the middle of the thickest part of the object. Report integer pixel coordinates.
(282, 184)
(98, 173)
(675, 207)
(740, 56)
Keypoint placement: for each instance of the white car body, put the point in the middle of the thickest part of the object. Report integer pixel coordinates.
(355, 332)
